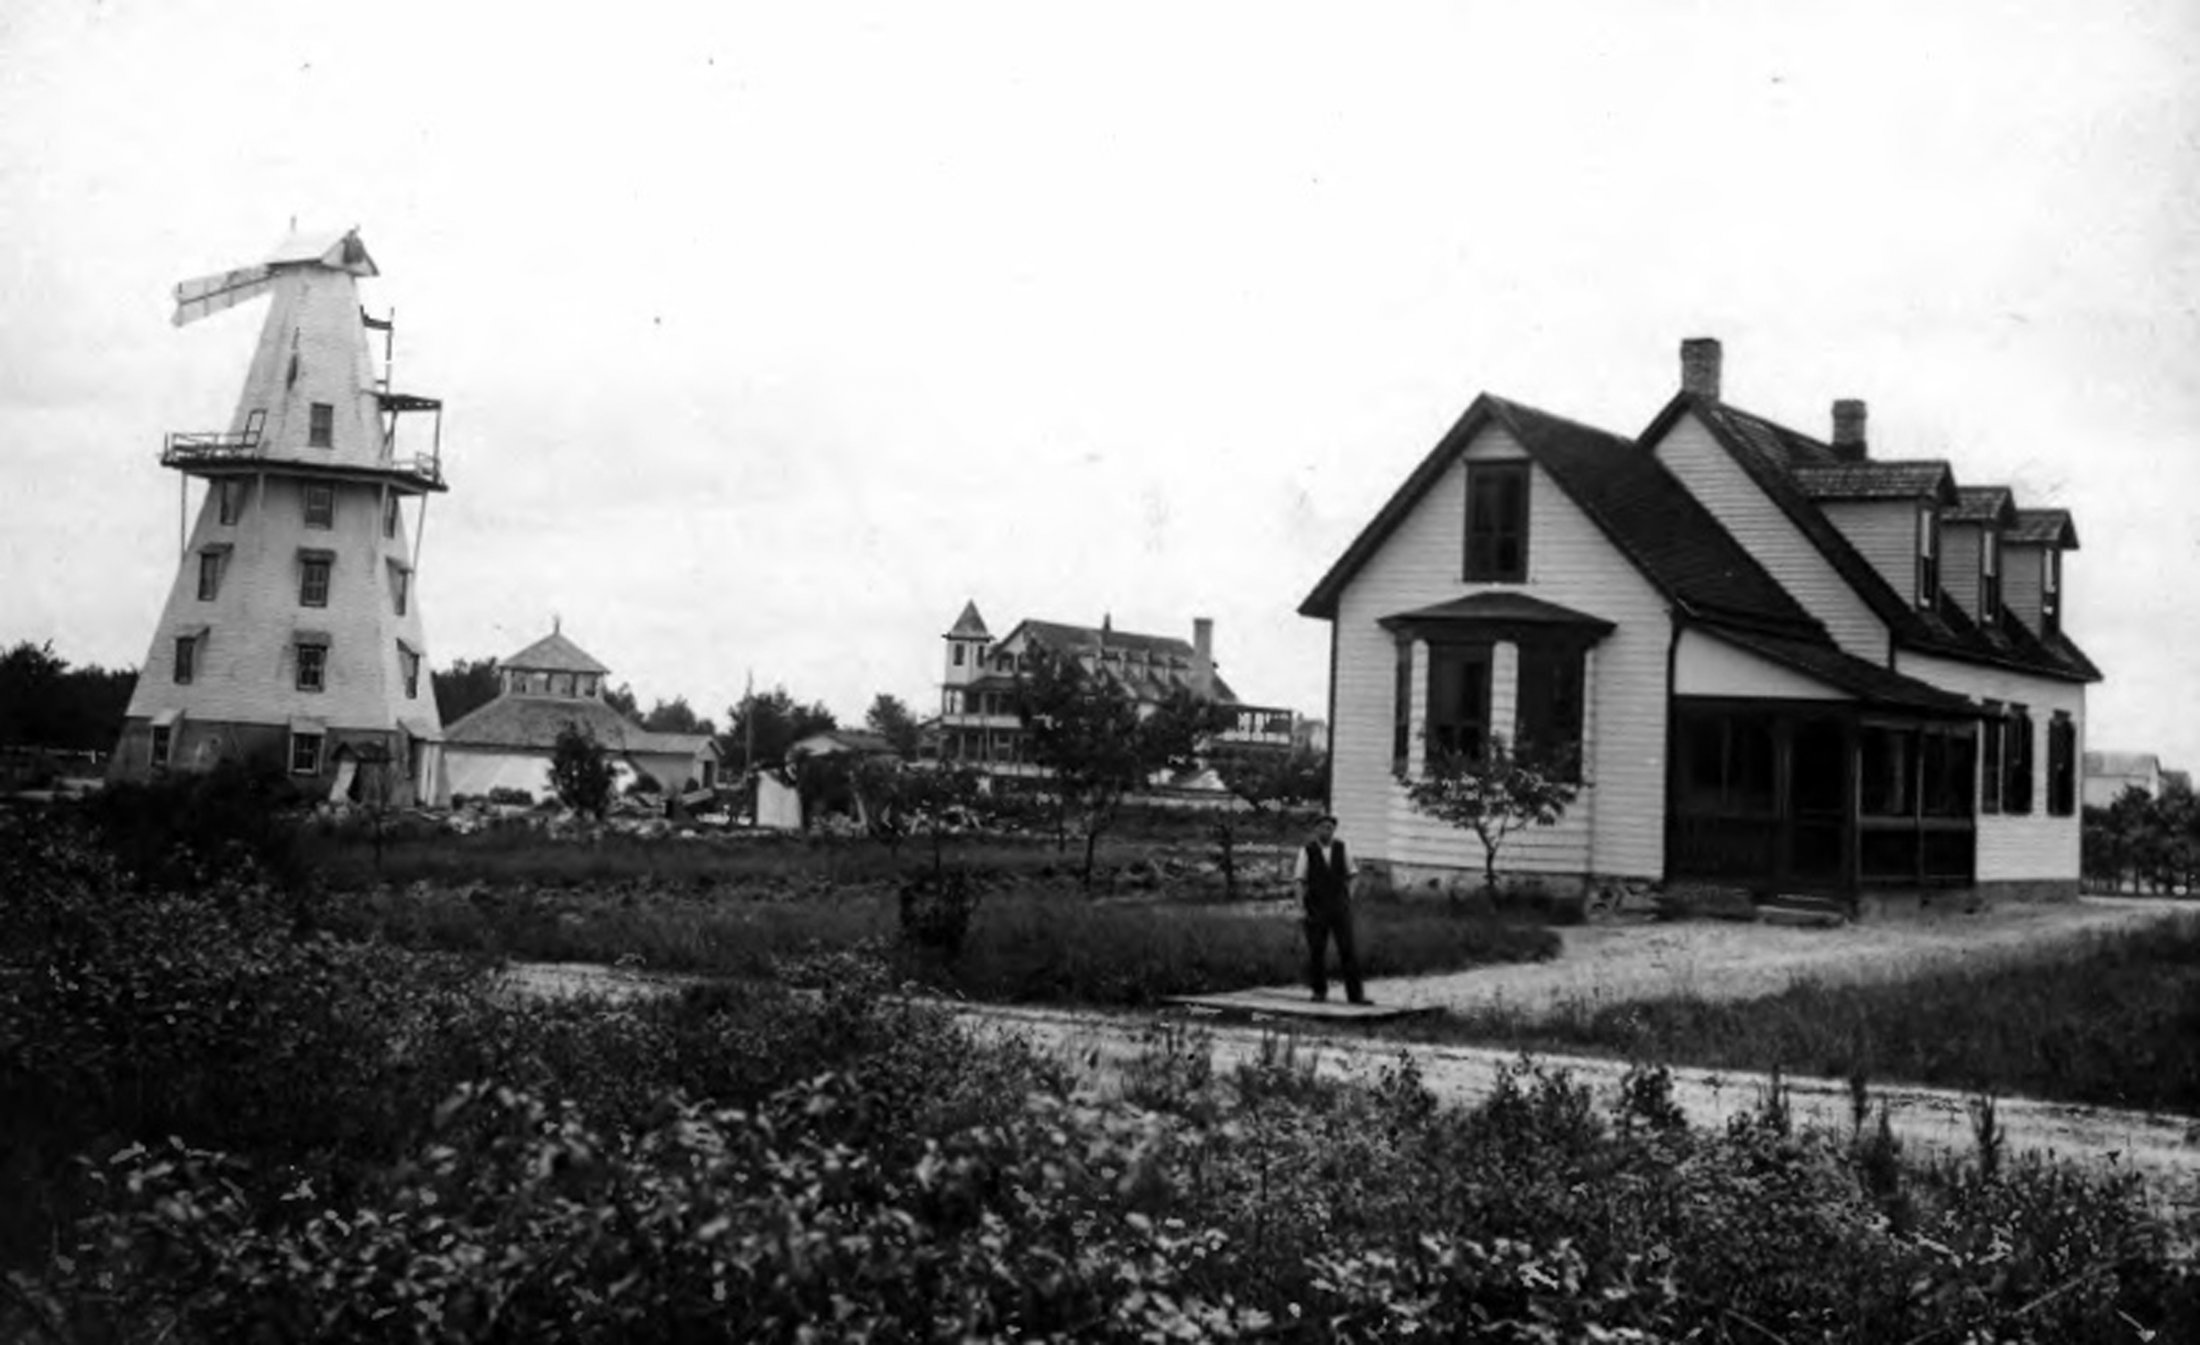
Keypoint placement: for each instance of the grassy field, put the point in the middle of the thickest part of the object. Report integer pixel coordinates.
(2108, 1019)
(1025, 943)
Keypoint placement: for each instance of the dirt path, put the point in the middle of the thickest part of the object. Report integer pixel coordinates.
(1623, 961)
(1618, 962)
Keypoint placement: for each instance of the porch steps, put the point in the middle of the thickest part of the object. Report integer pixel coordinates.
(1803, 911)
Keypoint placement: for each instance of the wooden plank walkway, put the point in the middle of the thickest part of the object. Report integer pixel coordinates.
(1296, 1004)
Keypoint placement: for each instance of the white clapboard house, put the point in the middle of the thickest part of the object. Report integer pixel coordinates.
(1784, 664)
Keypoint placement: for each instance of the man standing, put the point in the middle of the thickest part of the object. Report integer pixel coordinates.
(1324, 875)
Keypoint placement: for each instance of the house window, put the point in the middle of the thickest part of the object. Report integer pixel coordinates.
(320, 506)
(1928, 558)
(959, 651)
(1497, 522)
(312, 667)
(1989, 577)
(2050, 592)
(408, 667)
(305, 753)
(210, 575)
(389, 516)
(2062, 765)
(230, 493)
(1993, 744)
(400, 586)
(321, 426)
(187, 657)
(1401, 710)
(1550, 705)
(2016, 757)
(1458, 699)
(163, 744)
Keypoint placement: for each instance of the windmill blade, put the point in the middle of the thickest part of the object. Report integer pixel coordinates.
(198, 298)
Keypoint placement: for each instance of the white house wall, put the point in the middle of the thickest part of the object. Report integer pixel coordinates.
(1884, 533)
(2038, 845)
(1690, 452)
(1705, 665)
(1959, 564)
(2023, 583)
(1617, 825)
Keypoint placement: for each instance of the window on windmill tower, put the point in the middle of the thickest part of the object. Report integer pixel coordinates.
(408, 666)
(187, 652)
(389, 516)
(211, 562)
(163, 742)
(321, 425)
(313, 581)
(312, 667)
(232, 501)
(305, 753)
(320, 506)
(400, 586)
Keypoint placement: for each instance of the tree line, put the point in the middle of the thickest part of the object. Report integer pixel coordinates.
(2144, 843)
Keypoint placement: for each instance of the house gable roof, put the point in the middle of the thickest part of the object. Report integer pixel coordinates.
(1663, 531)
(1926, 479)
(554, 653)
(2043, 527)
(1149, 666)
(1771, 455)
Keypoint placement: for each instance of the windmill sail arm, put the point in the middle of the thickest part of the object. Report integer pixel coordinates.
(207, 295)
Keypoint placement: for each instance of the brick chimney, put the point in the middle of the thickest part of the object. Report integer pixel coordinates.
(1700, 366)
(1203, 656)
(1848, 430)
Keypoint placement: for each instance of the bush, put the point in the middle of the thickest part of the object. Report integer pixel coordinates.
(188, 829)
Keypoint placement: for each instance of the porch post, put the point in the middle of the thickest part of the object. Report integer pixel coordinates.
(1505, 691)
(1417, 719)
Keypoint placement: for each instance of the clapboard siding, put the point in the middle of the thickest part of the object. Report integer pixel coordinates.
(1616, 827)
(2022, 582)
(246, 671)
(1884, 533)
(1959, 564)
(2035, 846)
(1690, 452)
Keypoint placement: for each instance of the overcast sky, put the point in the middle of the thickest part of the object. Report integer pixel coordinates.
(769, 335)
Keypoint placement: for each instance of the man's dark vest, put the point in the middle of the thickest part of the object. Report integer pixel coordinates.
(1326, 881)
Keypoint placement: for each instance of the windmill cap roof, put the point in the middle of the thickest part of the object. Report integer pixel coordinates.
(337, 248)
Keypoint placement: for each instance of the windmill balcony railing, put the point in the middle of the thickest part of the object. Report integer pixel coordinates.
(219, 449)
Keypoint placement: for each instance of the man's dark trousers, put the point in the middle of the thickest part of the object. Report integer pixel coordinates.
(1329, 916)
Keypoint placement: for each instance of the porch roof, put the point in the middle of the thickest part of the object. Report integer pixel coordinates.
(1499, 609)
(1868, 682)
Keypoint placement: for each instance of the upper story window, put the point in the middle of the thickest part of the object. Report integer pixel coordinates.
(313, 581)
(230, 492)
(389, 516)
(320, 506)
(312, 666)
(1989, 577)
(187, 657)
(1497, 522)
(1928, 558)
(959, 655)
(210, 574)
(321, 425)
(400, 587)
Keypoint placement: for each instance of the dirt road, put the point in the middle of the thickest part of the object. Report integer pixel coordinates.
(1619, 962)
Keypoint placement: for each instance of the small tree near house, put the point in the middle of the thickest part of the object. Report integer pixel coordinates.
(1494, 794)
(581, 771)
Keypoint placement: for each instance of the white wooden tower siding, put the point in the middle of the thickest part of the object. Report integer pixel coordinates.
(292, 636)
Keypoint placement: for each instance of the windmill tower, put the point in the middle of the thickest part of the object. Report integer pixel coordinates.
(292, 635)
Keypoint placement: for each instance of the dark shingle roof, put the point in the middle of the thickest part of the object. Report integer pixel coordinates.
(1982, 504)
(1928, 479)
(969, 623)
(1665, 532)
(1770, 453)
(2044, 527)
(1149, 666)
(1860, 678)
(534, 722)
(554, 653)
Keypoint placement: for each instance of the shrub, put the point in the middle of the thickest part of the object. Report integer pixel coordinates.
(581, 770)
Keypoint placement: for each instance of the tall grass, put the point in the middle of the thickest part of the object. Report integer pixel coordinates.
(2111, 1020)
(1026, 943)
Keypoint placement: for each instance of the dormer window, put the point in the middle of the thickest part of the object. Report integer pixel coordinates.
(1497, 523)
(1989, 578)
(1928, 558)
(2050, 592)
